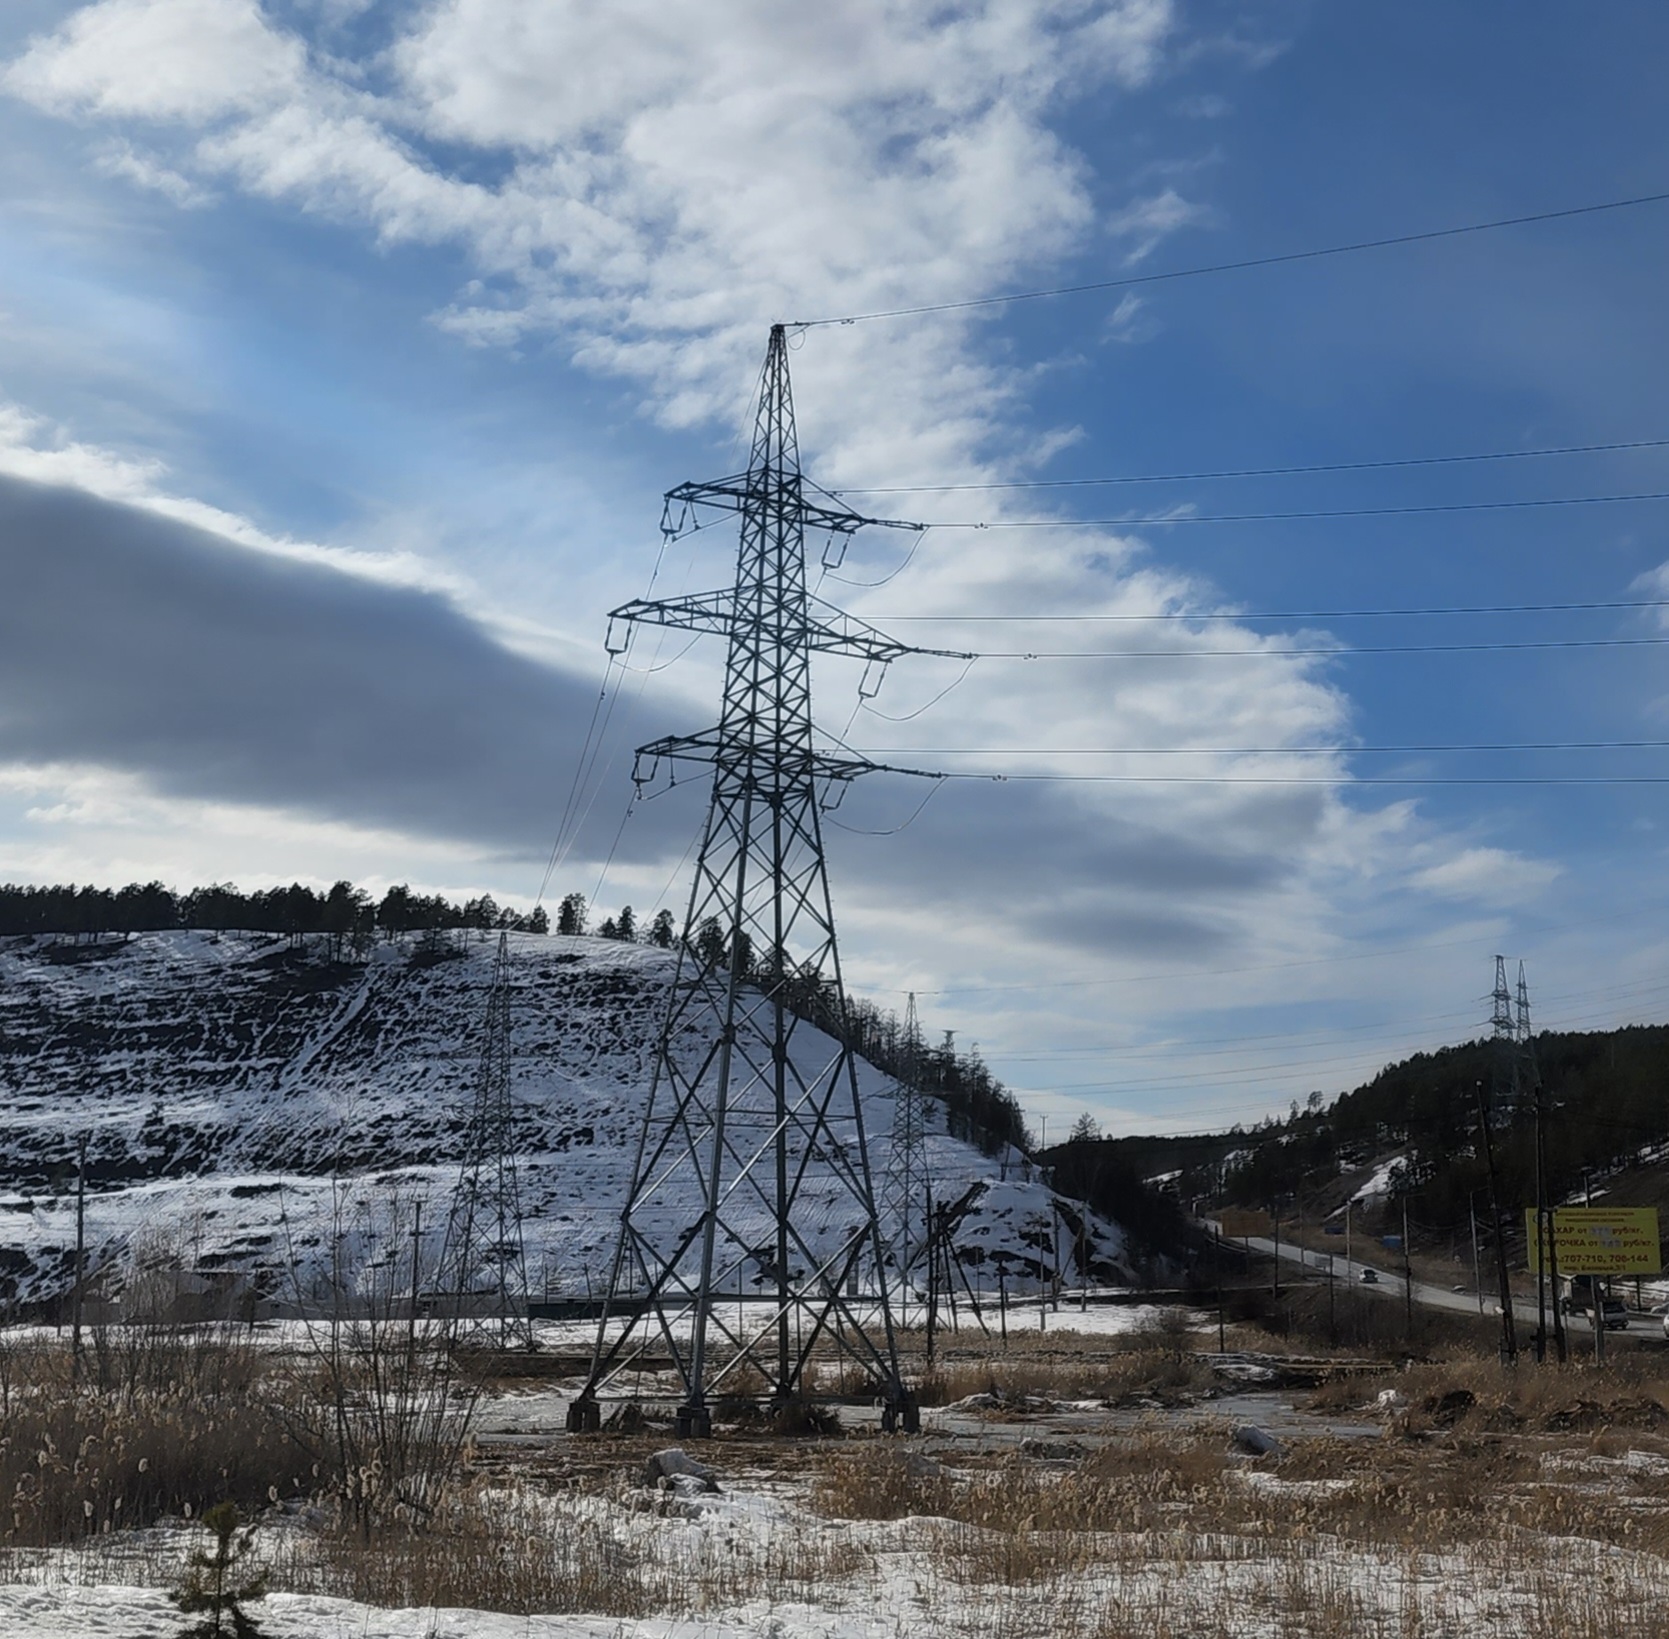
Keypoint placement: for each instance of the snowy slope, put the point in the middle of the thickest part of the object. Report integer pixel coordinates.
(258, 1108)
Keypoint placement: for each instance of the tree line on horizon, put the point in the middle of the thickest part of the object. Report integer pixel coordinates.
(980, 1110)
(344, 912)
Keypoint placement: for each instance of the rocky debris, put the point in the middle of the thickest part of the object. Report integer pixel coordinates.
(1004, 1400)
(1582, 1414)
(1255, 1442)
(1445, 1410)
(675, 1470)
(1585, 1415)
(1052, 1451)
(1246, 1369)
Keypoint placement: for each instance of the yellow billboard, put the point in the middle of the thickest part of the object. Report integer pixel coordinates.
(1237, 1223)
(1599, 1240)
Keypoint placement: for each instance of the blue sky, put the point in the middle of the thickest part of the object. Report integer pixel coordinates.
(346, 347)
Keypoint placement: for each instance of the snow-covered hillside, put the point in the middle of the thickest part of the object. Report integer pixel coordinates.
(256, 1108)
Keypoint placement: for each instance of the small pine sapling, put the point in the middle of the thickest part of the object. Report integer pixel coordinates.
(217, 1583)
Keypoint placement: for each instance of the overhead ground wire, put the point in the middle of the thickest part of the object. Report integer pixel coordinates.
(1241, 264)
(1304, 515)
(1294, 471)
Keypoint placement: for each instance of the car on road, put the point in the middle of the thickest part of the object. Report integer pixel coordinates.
(1370, 1277)
(1613, 1309)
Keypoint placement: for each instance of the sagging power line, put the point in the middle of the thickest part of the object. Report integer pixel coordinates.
(1295, 471)
(1244, 263)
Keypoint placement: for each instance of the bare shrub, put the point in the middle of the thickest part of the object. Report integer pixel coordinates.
(376, 1398)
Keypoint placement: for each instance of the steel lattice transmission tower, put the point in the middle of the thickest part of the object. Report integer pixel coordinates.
(905, 1197)
(484, 1261)
(751, 1201)
(1503, 1031)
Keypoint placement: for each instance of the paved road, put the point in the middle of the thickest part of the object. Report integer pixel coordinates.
(1388, 1284)
(1642, 1328)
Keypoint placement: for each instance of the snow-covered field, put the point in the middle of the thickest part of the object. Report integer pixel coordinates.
(918, 1576)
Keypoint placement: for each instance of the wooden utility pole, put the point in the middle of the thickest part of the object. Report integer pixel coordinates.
(1596, 1292)
(932, 1273)
(1477, 1266)
(1083, 1257)
(1509, 1337)
(80, 1256)
(1407, 1277)
(1217, 1270)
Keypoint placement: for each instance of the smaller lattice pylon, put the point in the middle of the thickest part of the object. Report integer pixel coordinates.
(1525, 1034)
(1503, 1035)
(484, 1262)
(905, 1187)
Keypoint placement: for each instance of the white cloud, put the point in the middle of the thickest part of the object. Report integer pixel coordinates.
(66, 822)
(652, 184)
(1487, 876)
(188, 60)
(1152, 220)
(122, 159)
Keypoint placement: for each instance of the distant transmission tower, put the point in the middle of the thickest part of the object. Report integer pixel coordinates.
(904, 1203)
(1503, 1032)
(484, 1263)
(751, 1200)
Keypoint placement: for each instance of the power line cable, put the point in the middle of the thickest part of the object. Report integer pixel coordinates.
(1305, 779)
(1269, 1064)
(1241, 264)
(1263, 751)
(1295, 471)
(1303, 614)
(1365, 1036)
(1481, 647)
(1425, 507)
(1057, 982)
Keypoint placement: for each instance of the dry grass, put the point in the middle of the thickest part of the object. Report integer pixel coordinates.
(156, 1427)
(1159, 1361)
(1492, 1505)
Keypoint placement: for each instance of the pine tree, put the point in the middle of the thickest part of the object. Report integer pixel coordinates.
(626, 924)
(570, 915)
(709, 943)
(217, 1584)
(660, 930)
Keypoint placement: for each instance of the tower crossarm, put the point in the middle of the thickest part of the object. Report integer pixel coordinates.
(710, 746)
(737, 493)
(823, 628)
